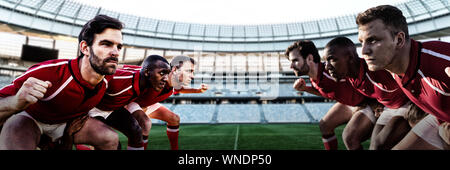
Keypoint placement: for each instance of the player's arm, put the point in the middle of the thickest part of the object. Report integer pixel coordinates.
(29, 93)
(186, 89)
(300, 85)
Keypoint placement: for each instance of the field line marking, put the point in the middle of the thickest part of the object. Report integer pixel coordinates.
(236, 139)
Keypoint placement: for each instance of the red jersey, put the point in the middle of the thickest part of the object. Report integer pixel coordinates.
(425, 82)
(68, 97)
(378, 85)
(123, 88)
(342, 91)
(152, 96)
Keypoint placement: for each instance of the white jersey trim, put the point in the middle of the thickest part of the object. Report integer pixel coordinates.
(43, 66)
(123, 77)
(59, 89)
(381, 88)
(434, 87)
(128, 88)
(439, 55)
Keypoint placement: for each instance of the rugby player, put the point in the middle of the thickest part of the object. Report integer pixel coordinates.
(305, 60)
(53, 97)
(421, 70)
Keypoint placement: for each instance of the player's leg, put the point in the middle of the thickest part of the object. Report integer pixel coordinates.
(19, 133)
(389, 135)
(424, 136)
(124, 122)
(359, 128)
(390, 128)
(145, 123)
(96, 133)
(337, 115)
(173, 124)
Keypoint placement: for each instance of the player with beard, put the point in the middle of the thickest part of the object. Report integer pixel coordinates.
(305, 60)
(421, 69)
(52, 98)
(146, 85)
(124, 88)
(343, 63)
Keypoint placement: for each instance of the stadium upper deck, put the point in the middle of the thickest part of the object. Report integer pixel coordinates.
(427, 18)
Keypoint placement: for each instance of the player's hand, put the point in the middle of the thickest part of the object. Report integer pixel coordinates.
(31, 91)
(444, 132)
(203, 88)
(299, 85)
(447, 71)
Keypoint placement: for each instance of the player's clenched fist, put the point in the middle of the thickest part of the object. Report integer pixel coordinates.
(203, 88)
(31, 91)
(299, 84)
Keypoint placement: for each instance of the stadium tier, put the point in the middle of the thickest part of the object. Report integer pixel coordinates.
(249, 78)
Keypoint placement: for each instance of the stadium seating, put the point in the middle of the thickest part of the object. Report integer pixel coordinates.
(238, 113)
(285, 113)
(318, 110)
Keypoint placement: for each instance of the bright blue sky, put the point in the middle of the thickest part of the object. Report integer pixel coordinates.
(239, 12)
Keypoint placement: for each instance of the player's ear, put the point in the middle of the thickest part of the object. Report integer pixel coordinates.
(310, 58)
(400, 39)
(84, 48)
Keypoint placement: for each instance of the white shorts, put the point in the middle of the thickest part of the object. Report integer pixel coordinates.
(152, 108)
(54, 131)
(368, 112)
(428, 130)
(97, 112)
(389, 113)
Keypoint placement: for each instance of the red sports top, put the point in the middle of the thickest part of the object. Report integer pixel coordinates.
(152, 96)
(378, 85)
(342, 91)
(68, 97)
(122, 89)
(425, 82)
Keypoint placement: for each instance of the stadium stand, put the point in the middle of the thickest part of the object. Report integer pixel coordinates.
(248, 75)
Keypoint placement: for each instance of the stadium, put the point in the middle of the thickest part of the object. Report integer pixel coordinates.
(250, 103)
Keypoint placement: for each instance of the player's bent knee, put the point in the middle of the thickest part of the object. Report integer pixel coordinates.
(108, 140)
(351, 140)
(323, 126)
(174, 119)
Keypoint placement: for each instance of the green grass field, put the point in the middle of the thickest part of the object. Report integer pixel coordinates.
(242, 137)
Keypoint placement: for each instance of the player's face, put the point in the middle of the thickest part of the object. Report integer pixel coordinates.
(186, 73)
(159, 75)
(378, 44)
(298, 64)
(337, 62)
(105, 50)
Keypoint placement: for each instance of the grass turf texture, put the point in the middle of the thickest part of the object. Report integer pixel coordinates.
(250, 137)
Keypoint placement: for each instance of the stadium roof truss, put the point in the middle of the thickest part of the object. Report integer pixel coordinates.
(67, 17)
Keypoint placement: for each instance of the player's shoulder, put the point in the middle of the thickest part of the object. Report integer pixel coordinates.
(49, 64)
(133, 68)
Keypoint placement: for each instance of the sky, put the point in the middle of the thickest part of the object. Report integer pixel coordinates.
(238, 12)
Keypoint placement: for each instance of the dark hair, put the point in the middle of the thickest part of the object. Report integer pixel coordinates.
(343, 43)
(305, 48)
(178, 61)
(96, 26)
(150, 62)
(390, 15)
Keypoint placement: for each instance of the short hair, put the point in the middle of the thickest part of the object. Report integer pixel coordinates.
(305, 47)
(150, 62)
(390, 15)
(178, 61)
(96, 26)
(343, 43)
